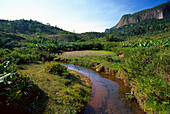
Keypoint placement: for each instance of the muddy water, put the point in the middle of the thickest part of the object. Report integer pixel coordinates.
(108, 94)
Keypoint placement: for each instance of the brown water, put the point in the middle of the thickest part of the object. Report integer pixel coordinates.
(108, 94)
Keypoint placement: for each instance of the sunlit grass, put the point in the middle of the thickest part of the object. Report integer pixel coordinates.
(66, 93)
(90, 58)
(86, 53)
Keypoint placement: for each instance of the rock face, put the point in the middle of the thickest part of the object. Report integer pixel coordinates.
(159, 12)
(134, 18)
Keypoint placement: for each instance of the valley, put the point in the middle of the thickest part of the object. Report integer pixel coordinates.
(126, 69)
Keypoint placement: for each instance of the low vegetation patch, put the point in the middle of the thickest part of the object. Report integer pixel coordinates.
(18, 93)
(55, 68)
(66, 91)
(85, 53)
(148, 74)
(92, 58)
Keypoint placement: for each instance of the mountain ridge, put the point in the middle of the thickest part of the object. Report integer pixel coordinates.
(159, 12)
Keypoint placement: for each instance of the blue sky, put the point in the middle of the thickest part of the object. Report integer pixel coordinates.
(78, 15)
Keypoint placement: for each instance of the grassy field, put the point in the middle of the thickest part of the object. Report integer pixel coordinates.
(92, 58)
(85, 53)
(67, 93)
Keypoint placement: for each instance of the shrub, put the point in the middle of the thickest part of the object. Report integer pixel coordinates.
(55, 68)
(11, 85)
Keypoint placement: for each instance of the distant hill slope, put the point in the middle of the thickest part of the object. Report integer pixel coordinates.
(27, 27)
(159, 12)
(138, 30)
(35, 29)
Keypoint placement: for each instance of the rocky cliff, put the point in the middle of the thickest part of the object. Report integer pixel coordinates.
(159, 12)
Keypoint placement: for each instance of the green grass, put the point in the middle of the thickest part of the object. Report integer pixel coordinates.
(67, 93)
(92, 58)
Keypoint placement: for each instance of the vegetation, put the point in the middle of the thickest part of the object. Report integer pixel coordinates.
(148, 73)
(146, 69)
(27, 27)
(137, 53)
(145, 28)
(67, 92)
(18, 91)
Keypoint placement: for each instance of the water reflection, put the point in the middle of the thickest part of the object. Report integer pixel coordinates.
(108, 95)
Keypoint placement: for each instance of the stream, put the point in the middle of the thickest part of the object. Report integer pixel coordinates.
(108, 94)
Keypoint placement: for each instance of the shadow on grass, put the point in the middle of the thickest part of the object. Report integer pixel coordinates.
(74, 79)
(35, 101)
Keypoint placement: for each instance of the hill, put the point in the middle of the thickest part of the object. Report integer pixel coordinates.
(32, 29)
(27, 27)
(144, 29)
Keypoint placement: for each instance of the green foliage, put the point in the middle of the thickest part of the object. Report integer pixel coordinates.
(147, 43)
(9, 40)
(11, 85)
(71, 46)
(68, 93)
(147, 61)
(27, 27)
(143, 69)
(55, 68)
(42, 44)
(149, 27)
(90, 36)
(130, 96)
(24, 55)
(93, 59)
(74, 96)
(17, 89)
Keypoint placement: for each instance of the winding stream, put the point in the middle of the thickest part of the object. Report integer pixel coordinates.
(108, 95)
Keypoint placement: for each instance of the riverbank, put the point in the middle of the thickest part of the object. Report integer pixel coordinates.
(145, 88)
(68, 92)
(108, 95)
(83, 78)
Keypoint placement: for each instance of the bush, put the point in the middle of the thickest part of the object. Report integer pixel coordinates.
(24, 55)
(55, 68)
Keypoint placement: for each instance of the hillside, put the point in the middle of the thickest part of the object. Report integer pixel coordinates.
(31, 29)
(141, 30)
(27, 27)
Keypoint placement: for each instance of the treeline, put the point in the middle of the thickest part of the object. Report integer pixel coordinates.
(27, 27)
